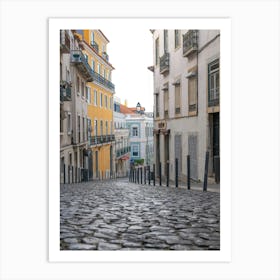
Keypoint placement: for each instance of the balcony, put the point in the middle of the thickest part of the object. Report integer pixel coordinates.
(177, 110)
(164, 63)
(192, 107)
(190, 42)
(101, 80)
(122, 151)
(101, 139)
(64, 42)
(65, 91)
(78, 58)
(105, 56)
(95, 46)
(213, 97)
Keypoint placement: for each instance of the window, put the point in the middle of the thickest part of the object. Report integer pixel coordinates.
(165, 34)
(101, 127)
(177, 34)
(69, 124)
(98, 68)
(92, 37)
(106, 101)
(177, 98)
(83, 89)
(79, 129)
(157, 51)
(95, 97)
(213, 83)
(78, 85)
(192, 89)
(134, 131)
(111, 127)
(106, 127)
(109, 75)
(84, 129)
(88, 95)
(89, 128)
(101, 99)
(157, 107)
(135, 151)
(95, 128)
(104, 73)
(166, 99)
(93, 65)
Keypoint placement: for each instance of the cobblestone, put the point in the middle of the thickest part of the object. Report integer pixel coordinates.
(120, 215)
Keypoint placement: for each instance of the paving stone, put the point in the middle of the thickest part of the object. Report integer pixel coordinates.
(70, 240)
(108, 246)
(108, 214)
(81, 246)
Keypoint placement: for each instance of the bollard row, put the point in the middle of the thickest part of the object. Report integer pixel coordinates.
(142, 174)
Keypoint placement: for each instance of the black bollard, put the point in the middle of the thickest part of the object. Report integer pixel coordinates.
(149, 174)
(64, 174)
(176, 173)
(188, 172)
(145, 175)
(206, 172)
(167, 174)
(72, 170)
(141, 171)
(134, 175)
(154, 174)
(160, 173)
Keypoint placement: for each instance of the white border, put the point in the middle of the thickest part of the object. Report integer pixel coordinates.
(131, 25)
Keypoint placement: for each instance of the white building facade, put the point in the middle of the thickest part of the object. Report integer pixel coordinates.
(186, 100)
(122, 142)
(140, 128)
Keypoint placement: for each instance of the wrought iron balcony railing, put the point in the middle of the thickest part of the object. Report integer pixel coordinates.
(213, 97)
(190, 42)
(78, 58)
(101, 139)
(164, 63)
(192, 107)
(95, 46)
(64, 41)
(101, 80)
(65, 91)
(122, 151)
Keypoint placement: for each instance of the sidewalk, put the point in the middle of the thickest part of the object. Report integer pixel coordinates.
(211, 187)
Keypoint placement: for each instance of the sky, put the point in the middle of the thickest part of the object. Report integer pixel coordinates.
(131, 53)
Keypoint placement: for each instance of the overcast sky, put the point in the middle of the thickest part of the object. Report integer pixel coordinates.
(131, 53)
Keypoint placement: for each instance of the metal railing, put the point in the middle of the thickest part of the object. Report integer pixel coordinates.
(192, 107)
(122, 151)
(101, 80)
(101, 139)
(164, 63)
(190, 42)
(77, 57)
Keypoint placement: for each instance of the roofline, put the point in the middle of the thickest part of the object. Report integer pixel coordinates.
(104, 36)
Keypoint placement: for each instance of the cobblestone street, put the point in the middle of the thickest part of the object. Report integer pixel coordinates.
(120, 215)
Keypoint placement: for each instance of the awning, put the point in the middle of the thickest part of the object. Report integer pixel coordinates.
(124, 158)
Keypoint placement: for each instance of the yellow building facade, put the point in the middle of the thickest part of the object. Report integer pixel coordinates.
(99, 95)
